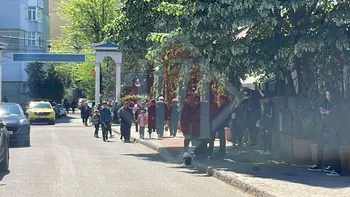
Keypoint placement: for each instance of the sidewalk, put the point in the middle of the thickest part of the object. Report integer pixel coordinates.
(253, 173)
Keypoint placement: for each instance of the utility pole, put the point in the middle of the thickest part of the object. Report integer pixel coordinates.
(2, 48)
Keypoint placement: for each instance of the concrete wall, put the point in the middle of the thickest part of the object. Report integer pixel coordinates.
(13, 91)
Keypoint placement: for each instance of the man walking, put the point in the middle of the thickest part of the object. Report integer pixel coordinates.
(85, 113)
(126, 119)
(174, 117)
(161, 110)
(106, 117)
(267, 120)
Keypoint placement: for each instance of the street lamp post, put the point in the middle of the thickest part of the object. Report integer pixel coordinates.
(2, 47)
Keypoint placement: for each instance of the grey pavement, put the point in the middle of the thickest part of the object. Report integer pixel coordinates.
(65, 160)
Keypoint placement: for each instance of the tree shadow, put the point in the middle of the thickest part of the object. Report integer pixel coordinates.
(148, 157)
(253, 164)
(65, 119)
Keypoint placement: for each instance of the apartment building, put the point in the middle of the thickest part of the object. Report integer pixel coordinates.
(25, 27)
(55, 21)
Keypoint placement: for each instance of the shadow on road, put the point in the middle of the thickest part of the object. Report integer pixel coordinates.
(251, 164)
(66, 119)
(149, 157)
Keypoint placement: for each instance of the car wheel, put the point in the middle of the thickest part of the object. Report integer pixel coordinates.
(5, 164)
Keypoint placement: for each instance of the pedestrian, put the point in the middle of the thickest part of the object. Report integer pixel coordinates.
(237, 124)
(161, 111)
(142, 120)
(73, 105)
(253, 115)
(66, 105)
(223, 104)
(126, 119)
(137, 110)
(106, 118)
(115, 113)
(196, 117)
(96, 121)
(125, 106)
(267, 121)
(186, 121)
(151, 117)
(332, 131)
(174, 117)
(85, 113)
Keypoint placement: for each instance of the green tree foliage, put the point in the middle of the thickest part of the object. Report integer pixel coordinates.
(246, 37)
(86, 21)
(36, 79)
(44, 84)
(53, 87)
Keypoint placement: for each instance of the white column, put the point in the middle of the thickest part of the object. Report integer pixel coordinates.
(1, 75)
(97, 83)
(118, 81)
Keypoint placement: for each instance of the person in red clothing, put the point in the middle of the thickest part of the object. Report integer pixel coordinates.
(186, 120)
(151, 117)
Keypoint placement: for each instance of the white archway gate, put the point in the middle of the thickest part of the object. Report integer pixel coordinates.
(104, 50)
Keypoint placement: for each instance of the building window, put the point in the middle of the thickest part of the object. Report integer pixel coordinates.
(35, 14)
(32, 14)
(31, 36)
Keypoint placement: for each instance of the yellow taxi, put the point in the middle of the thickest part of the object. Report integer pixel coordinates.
(41, 111)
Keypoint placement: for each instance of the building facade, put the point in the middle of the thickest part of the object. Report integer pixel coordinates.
(55, 21)
(25, 27)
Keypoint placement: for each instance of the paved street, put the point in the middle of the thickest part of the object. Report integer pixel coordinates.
(65, 160)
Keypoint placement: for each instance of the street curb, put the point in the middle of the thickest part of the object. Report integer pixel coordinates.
(165, 154)
(231, 180)
(210, 171)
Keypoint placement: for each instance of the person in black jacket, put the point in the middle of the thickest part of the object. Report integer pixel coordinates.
(267, 121)
(331, 133)
(253, 114)
(174, 117)
(237, 123)
(161, 110)
(223, 105)
(85, 113)
(126, 119)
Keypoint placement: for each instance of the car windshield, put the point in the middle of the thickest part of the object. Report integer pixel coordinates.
(41, 106)
(10, 110)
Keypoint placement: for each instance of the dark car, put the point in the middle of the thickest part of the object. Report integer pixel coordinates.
(17, 124)
(4, 148)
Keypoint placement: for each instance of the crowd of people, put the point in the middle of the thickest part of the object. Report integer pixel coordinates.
(202, 121)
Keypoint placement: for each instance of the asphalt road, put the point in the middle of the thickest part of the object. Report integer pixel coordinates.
(65, 160)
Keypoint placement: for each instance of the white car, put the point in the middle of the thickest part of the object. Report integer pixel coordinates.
(62, 110)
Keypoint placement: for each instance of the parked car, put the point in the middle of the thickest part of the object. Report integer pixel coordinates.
(62, 110)
(53, 103)
(41, 111)
(4, 148)
(17, 124)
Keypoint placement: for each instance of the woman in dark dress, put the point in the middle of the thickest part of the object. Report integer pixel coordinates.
(151, 117)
